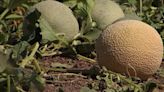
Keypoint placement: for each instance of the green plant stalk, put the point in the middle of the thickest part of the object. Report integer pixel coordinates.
(80, 57)
(128, 81)
(108, 80)
(86, 26)
(4, 13)
(44, 49)
(20, 90)
(37, 65)
(30, 57)
(34, 49)
(136, 90)
(111, 77)
(51, 54)
(8, 83)
(25, 61)
(67, 74)
(141, 7)
(89, 24)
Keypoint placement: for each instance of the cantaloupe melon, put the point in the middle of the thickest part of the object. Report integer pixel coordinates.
(105, 12)
(130, 47)
(59, 17)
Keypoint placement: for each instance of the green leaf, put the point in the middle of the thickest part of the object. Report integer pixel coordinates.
(3, 38)
(46, 31)
(18, 51)
(150, 86)
(160, 72)
(70, 3)
(84, 9)
(86, 5)
(13, 16)
(90, 5)
(147, 3)
(14, 3)
(92, 35)
(133, 2)
(5, 3)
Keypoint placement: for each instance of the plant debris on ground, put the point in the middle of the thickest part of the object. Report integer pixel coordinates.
(30, 63)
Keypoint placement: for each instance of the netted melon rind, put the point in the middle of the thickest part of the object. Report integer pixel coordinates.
(130, 47)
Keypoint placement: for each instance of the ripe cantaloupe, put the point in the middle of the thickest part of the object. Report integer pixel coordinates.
(59, 17)
(105, 12)
(130, 47)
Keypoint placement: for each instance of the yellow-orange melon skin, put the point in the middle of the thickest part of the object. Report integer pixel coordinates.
(130, 47)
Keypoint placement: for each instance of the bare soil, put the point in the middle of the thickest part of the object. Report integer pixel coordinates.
(65, 74)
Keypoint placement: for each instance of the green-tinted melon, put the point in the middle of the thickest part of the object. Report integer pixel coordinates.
(130, 47)
(59, 17)
(105, 12)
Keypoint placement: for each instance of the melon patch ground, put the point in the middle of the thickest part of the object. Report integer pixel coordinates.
(34, 57)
